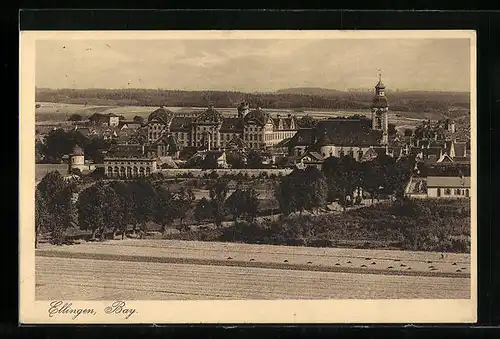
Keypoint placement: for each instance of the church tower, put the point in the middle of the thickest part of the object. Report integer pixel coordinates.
(380, 109)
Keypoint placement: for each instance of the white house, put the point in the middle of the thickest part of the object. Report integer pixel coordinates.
(448, 187)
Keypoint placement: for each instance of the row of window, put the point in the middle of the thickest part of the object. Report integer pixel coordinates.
(129, 163)
(128, 172)
(456, 191)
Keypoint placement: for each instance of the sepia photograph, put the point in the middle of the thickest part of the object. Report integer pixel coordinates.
(189, 176)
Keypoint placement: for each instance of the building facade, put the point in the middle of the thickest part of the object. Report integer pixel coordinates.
(129, 161)
(448, 187)
(211, 130)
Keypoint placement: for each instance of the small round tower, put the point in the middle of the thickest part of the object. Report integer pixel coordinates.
(76, 159)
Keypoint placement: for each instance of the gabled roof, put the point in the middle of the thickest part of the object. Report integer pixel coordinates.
(287, 122)
(315, 156)
(451, 182)
(303, 137)
(445, 158)
(210, 115)
(347, 132)
(126, 151)
(162, 115)
(460, 149)
(231, 125)
(166, 162)
(181, 124)
(237, 142)
(282, 143)
(258, 116)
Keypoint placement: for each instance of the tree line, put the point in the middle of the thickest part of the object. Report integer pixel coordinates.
(339, 179)
(60, 142)
(114, 207)
(404, 101)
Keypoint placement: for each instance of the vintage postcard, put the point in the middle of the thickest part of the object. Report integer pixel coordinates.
(248, 177)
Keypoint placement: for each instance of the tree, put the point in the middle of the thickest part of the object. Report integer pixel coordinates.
(290, 192)
(54, 197)
(184, 200)
(99, 209)
(125, 207)
(306, 122)
(235, 160)
(251, 199)
(316, 189)
(59, 142)
(75, 117)
(203, 210)
(94, 149)
(145, 202)
(343, 176)
(209, 162)
(254, 159)
(218, 194)
(43, 218)
(236, 206)
(166, 212)
(138, 119)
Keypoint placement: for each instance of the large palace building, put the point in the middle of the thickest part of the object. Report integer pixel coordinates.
(168, 133)
(212, 131)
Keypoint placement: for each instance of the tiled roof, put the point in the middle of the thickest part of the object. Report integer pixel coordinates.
(303, 137)
(448, 182)
(162, 114)
(348, 132)
(231, 125)
(432, 151)
(181, 124)
(460, 149)
(187, 152)
(131, 124)
(237, 142)
(286, 122)
(315, 156)
(126, 151)
(211, 115)
(77, 150)
(283, 143)
(258, 115)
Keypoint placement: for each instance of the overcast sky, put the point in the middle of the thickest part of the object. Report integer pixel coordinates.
(254, 65)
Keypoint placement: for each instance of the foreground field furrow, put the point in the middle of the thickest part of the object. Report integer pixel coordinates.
(58, 277)
(313, 285)
(178, 274)
(293, 251)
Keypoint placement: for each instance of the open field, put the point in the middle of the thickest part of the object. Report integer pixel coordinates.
(42, 169)
(304, 258)
(57, 112)
(165, 269)
(84, 279)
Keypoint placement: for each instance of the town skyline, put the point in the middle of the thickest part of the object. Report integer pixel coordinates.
(262, 66)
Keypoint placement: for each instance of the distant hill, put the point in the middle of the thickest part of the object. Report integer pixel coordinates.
(310, 91)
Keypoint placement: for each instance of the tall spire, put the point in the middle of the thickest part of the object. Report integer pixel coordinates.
(379, 75)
